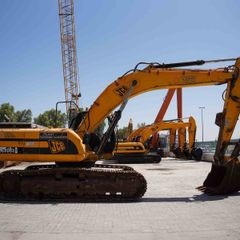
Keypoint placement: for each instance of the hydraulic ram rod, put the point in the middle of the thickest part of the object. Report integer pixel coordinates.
(193, 63)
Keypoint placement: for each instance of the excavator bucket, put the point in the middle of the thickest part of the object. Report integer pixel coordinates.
(223, 179)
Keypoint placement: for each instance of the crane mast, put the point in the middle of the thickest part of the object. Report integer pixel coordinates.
(69, 56)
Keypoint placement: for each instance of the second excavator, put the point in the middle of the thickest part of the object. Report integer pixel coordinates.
(140, 146)
(145, 136)
(144, 145)
(74, 174)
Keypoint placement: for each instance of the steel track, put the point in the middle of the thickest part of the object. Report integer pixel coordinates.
(50, 183)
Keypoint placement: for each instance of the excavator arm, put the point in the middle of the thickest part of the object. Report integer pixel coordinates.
(227, 119)
(224, 176)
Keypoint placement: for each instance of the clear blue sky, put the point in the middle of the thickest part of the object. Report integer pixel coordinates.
(112, 36)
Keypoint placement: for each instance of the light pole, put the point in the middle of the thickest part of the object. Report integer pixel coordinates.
(202, 108)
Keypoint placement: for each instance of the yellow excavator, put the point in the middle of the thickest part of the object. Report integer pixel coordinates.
(140, 147)
(74, 174)
(145, 136)
(137, 149)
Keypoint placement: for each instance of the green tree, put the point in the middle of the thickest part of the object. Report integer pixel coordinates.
(23, 116)
(122, 133)
(8, 111)
(48, 119)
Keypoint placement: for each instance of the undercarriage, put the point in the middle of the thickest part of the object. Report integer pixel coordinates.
(72, 184)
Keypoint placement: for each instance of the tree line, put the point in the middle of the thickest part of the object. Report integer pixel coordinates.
(47, 118)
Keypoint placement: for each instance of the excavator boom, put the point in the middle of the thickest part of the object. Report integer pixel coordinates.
(149, 79)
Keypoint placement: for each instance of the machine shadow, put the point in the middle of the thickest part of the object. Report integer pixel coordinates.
(196, 198)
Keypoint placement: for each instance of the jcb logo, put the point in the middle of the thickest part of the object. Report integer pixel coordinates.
(189, 78)
(56, 146)
(121, 90)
